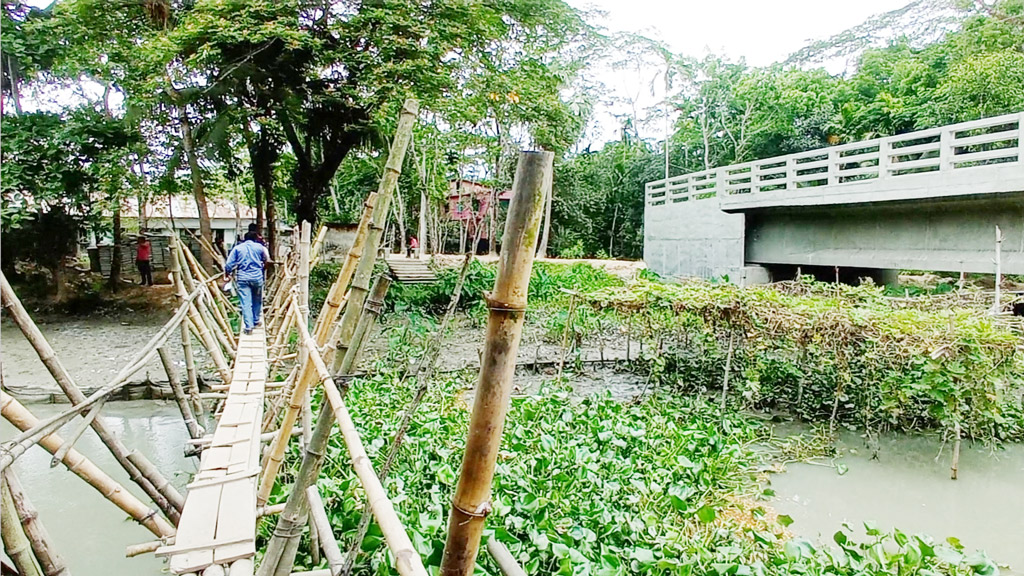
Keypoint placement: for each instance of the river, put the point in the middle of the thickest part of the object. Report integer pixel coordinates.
(905, 487)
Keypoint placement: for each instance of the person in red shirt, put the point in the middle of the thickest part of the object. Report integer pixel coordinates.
(412, 246)
(143, 261)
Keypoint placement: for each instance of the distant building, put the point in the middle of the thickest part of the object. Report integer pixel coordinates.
(469, 203)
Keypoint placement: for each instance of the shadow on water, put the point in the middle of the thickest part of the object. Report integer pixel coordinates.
(899, 483)
(88, 531)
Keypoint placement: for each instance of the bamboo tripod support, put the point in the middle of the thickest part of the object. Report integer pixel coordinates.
(63, 378)
(507, 308)
(336, 295)
(17, 414)
(282, 548)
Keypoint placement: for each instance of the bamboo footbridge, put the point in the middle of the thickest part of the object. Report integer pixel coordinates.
(257, 392)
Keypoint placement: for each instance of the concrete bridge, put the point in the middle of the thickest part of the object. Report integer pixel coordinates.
(927, 200)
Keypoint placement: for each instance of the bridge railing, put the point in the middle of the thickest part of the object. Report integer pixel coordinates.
(895, 159)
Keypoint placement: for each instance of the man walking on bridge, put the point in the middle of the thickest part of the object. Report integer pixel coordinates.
(246, 263)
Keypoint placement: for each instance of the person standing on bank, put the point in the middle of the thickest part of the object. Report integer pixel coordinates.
(246, 263)
(144, 261)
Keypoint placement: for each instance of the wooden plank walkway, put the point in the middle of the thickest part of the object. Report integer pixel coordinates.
(218, 524)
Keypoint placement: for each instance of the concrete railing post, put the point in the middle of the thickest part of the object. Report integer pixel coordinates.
(884, 157)
(945, 150)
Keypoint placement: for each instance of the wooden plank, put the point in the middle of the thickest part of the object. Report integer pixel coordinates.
(237, 520)
(197, 525)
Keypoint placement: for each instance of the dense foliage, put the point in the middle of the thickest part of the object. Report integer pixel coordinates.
(665, 485)
(826, 352)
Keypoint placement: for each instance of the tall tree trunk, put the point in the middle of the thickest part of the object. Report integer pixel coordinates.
(271, 222)
(115, 251)
(422, 228)
(14, 74)
(400, 216)
(198, 190)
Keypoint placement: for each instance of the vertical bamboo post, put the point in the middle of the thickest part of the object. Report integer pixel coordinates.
(21, 418)
(954, 467)
(507, 307)
(186, 337)
(49, 358)
(16, 543)
(194, 430)
(385, 192)
(39, 538)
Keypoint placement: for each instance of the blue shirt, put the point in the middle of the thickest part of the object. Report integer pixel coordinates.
(246, 261)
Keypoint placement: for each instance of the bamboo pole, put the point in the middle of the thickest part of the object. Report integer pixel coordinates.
(507, 305)
(303, 320)
(323, 524)
(385, 192)
(371, 311)
(20, 417)
(194, 430)
(192, 279)
(186, 337)
(997, 306)
(281, 550)
(145, 466)
(336, 295)
(503, 558)
(316, 250)
(39, 538)
(202, 330)
(49, 358)
(16, 543)
(77, 433)
(286, 392)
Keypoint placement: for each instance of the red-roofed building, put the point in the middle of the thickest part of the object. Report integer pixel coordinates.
(469, 203)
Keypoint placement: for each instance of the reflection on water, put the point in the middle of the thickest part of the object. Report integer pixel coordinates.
(90, 532)
(907, 488)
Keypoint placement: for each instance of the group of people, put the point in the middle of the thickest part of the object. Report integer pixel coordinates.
(244, 267)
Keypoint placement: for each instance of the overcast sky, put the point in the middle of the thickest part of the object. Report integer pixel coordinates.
(760, 31)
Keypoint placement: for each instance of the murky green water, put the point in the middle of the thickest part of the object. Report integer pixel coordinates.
(905, 487)
(90, 532)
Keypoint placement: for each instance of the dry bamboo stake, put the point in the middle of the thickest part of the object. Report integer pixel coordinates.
(133, 550)
(565, 335)
(281, 550)
(16, 543)
(385, 191)
(194, 429)
(323, 525)
(303, 320)
(503, 558)
(507, 304)
(49, 358)
(84, 468)
(728, 370)
(39, 538)
(59, 455)
(997, 306)
(336, 295)
(955, 465)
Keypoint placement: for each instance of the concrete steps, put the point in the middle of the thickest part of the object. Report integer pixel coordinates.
(410, 270)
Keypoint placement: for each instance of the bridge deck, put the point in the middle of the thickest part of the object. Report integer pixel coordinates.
(218, 523)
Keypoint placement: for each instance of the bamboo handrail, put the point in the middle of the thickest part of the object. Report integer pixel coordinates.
(507, 308)
(84, 468)
(323, 524)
